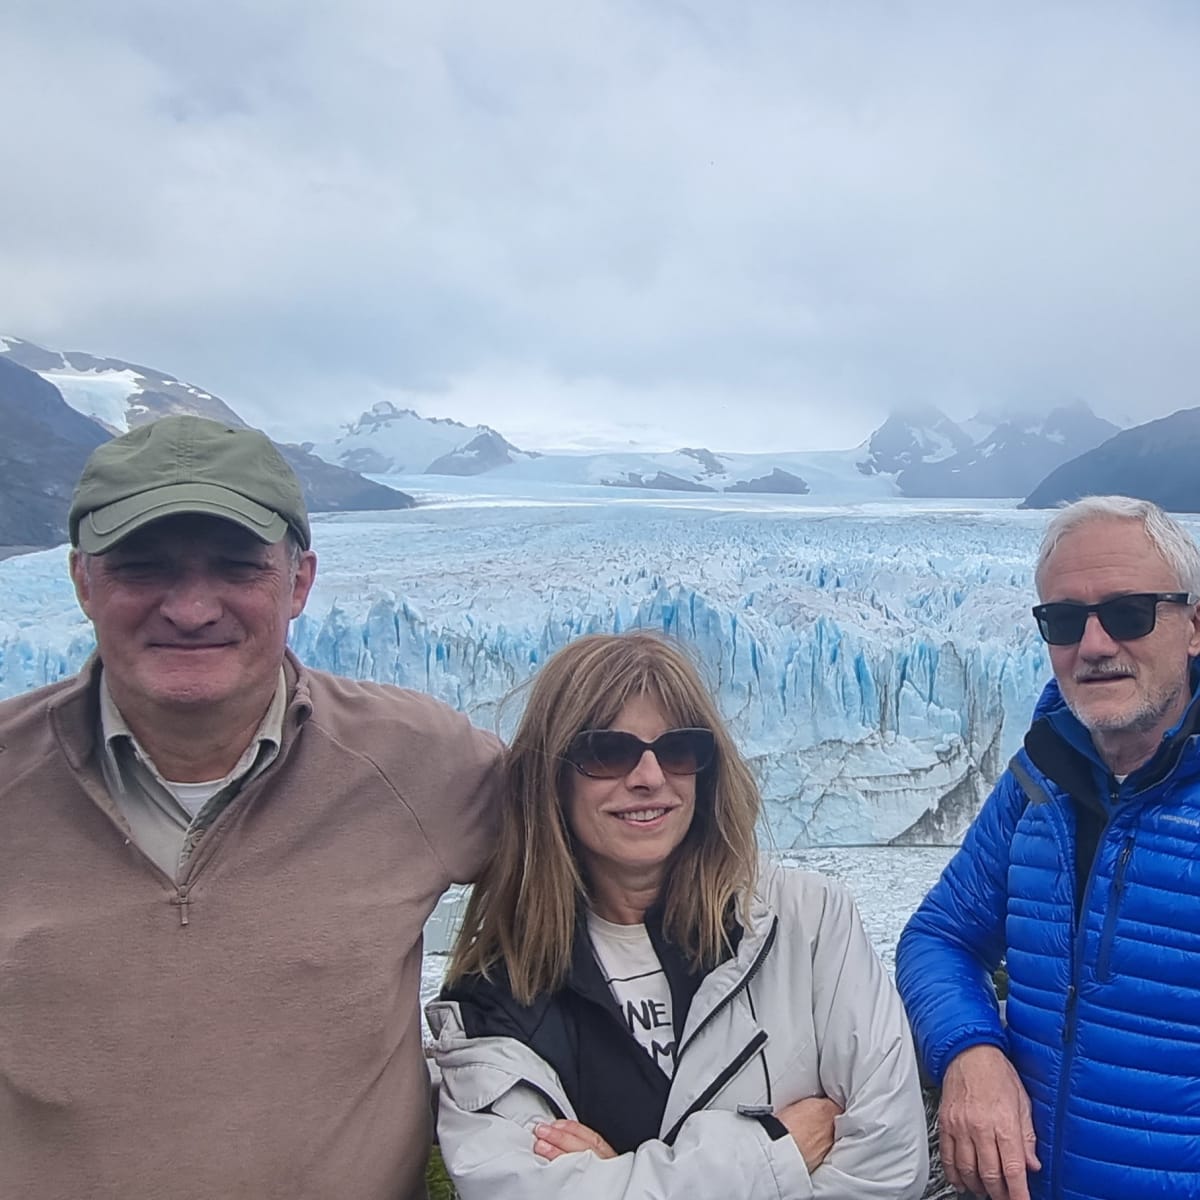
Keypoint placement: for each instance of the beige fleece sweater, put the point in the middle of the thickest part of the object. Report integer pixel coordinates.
(252, 1029)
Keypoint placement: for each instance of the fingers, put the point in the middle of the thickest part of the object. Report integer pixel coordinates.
(987, 1168)
(949, 1150)
(1001, 1169)
(1029, 1138)
(568, 1137)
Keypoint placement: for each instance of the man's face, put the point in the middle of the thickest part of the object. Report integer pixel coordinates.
(191, 611)
(1127, 694)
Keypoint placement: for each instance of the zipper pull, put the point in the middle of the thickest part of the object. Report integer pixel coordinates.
(182, 901)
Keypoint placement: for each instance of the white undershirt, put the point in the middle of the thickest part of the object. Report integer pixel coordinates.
(194, 796)
(639, 986)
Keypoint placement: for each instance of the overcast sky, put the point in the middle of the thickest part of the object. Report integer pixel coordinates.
(752, 225)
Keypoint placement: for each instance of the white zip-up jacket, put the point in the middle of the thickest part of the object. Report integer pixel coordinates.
(804, 1008)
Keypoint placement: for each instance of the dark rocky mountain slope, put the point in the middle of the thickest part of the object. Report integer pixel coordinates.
(1158, 461)
(44, 445)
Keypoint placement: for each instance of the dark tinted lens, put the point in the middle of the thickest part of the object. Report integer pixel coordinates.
(1061, 624)
(1128, 617)
(605, 753)
(1124, 618)
(611, 753)
(684, 751)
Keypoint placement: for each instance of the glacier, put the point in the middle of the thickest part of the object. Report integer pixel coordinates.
(877, 661)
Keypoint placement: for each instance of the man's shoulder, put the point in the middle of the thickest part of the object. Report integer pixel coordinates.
(16, 711)
(363, 712)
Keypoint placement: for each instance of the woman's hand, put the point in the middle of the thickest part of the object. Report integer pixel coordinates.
(810, 1122)
(567, 1137)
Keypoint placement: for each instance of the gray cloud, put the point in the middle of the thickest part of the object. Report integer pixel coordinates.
(743, 227)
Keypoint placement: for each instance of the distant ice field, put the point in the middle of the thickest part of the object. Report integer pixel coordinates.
(877, 661)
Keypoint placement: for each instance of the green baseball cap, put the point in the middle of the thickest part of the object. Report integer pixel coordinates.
(186, 464)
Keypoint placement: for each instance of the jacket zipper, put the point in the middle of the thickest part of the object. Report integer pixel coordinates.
(747, 1052)
(1070, 1010)
(742, 983)
(1078, 933)
(1104, 954)
(743, 1056)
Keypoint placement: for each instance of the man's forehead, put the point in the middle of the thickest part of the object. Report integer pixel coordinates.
(188, 530)
(1112, 549)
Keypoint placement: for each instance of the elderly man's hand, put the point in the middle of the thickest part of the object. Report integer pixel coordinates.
(811, 1124)
(987, 1138)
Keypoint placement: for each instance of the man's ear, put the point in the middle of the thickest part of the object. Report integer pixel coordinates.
(81, 579)
(1194, 631)
(306, 572)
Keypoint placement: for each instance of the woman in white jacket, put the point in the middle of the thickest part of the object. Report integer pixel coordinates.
(636, 1007)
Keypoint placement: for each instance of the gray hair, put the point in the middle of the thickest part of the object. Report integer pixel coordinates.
(1177, 547)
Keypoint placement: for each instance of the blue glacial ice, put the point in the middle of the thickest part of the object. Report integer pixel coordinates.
(878, 664)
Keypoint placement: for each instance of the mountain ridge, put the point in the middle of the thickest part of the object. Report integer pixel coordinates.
(49, 435)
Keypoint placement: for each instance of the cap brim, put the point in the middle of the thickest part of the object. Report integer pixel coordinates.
(103, 528)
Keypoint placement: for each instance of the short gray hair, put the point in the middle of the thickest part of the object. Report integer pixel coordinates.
(291, 542)
(1177, 547)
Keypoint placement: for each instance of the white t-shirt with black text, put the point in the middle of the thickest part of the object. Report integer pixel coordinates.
(639, 986)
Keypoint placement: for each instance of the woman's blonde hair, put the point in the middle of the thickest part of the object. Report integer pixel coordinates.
(522, 912)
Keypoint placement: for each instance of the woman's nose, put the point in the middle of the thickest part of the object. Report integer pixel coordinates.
(648, 773)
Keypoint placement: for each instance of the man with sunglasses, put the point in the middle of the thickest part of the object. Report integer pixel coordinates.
(1082, 873)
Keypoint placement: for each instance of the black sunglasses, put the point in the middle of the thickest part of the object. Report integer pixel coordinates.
(1124, 618)
(612, 753)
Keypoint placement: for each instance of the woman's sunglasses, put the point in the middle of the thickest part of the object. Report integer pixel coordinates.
(1124, 618)
(611, 753)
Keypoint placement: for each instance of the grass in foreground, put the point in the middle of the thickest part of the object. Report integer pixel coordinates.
(436, 1179)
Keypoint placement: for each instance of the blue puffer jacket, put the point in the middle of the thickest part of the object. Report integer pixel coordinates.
(1103, 955)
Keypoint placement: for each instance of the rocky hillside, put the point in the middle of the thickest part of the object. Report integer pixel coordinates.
(1157, 461)
(44, 447)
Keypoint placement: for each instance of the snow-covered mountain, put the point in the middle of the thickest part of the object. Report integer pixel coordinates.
(117, 394)
(917, 452)
(879, 666)
(56, 407)
(1012, 457)
(397, 441)
(388, 440)
(923, 434)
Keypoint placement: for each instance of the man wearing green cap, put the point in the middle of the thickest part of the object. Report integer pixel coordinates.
(215, 864)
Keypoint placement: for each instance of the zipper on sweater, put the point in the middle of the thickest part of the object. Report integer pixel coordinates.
(1104, 954)
(742, 983)
(181, 898)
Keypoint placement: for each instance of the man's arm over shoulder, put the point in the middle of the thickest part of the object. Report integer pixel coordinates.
(956, 938)
(446, 770)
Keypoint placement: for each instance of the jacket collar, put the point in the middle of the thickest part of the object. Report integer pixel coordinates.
(1062, 749)
(74, 712)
